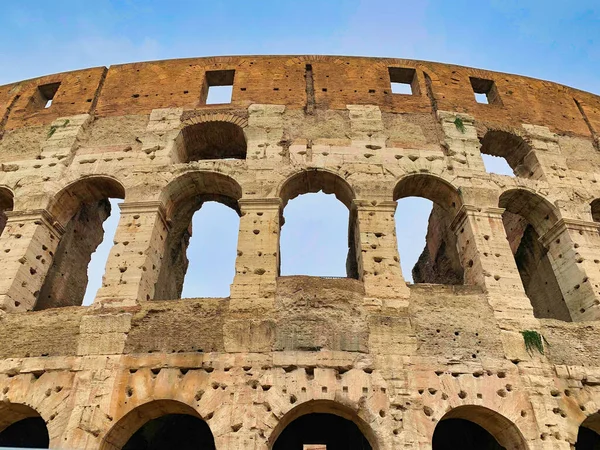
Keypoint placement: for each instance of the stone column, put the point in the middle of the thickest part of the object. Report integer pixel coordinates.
(257, 263)
(574, 252)
(134, 260)
(379, 263)
(27, 246)
(489, 262)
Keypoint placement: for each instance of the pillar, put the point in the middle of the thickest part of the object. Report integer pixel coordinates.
(27, 245)
(257, 262)
(574, 252)
(488, 261)
(379, 263)
(134, 260)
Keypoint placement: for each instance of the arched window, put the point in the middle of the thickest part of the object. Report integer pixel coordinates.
(6, 204)
(318, 235)
(504, 153)
(210, 201)
(211, 140)
(322, 422)
(473, 427)
(160, 424)
(588, 437)
(81, 208)
(526, 216)
(427, 246)
(22, 427)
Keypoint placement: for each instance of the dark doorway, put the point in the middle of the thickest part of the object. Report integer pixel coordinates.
(587, 439)
(453, 434)
(333, 431)
(172, 431)
(27, 433)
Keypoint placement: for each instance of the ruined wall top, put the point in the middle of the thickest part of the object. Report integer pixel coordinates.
(138, 88)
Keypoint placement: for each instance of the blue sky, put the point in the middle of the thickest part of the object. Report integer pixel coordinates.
(553, 40)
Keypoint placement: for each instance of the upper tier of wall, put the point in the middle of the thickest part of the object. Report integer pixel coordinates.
(139, 88)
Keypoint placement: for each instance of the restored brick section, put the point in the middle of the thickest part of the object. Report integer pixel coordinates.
(76, 95)
(338, 81)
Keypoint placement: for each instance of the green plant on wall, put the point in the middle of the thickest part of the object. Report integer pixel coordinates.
(460, 126)
(533, 341)
(53, 128)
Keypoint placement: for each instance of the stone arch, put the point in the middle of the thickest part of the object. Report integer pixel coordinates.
(212, 136)
(440, 262)
(182, 197)
(80, 208)
(527, 217)
(316, 180)
(124, 428)
(325, 407)
(513, 148)
(431, 187)
(65, 204)
(534, 208)
(22, 426)
(503, 430)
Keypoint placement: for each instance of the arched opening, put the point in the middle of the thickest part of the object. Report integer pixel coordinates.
(157, 425)
(526, 216)
(588, 436)
(22, 427)
(427, 245)
(6, 204)
(322, 422)
(211, 140)
(473, 427)
(197, 198)
(504, 153)
(317, 211)
(81, 208)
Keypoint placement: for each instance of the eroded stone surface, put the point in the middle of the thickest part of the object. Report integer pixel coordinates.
(508, 254)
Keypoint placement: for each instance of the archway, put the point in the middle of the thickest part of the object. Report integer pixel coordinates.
(434, 257)
(211, 140)
(22, 427)
(473, 427)
(322, 422)
(160, 424)
(509, 147)
(81, 208)
(6, 204)
(588, 436)
(319, 194)
(526, 217)
(183, 197)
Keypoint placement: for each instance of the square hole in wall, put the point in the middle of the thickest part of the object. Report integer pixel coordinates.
(218, 86)
(485, 91)
(403, 81)
(43, 96)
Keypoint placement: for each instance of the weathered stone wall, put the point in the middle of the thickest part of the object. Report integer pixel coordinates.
(396, 359)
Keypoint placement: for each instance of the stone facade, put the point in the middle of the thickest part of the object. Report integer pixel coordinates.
(505, 255)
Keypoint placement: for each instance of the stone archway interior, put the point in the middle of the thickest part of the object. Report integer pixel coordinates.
(176, 431)
(319, 429)
(30, 432)
(452, 434)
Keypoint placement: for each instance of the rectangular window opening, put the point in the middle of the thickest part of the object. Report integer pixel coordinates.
(403, 81)
(485, 91)
(219, 87)
(44, 94)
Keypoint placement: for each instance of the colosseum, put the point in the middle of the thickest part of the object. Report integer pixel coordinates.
(495, 345)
